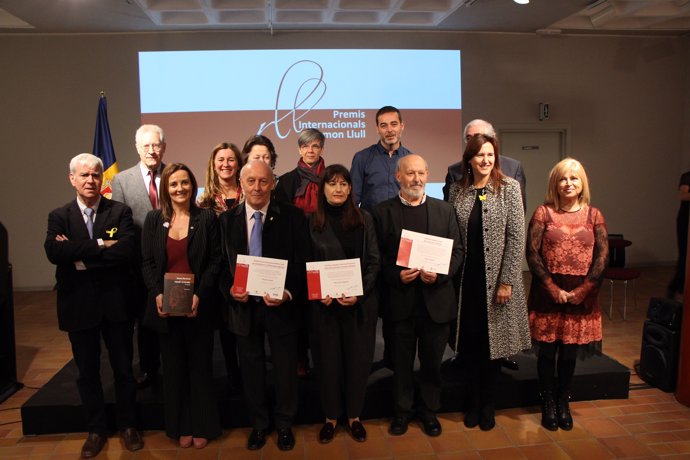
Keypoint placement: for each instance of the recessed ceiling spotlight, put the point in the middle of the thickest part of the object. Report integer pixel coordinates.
(521, 2)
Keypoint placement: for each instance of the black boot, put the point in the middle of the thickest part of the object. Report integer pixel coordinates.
(548, 411)
(487, 420)
(565, 420)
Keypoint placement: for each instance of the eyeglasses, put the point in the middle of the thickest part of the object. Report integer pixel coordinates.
(155, 147)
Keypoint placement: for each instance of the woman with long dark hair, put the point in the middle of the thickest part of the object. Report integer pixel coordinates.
(345, 327)
(492, 316)
(182, 238)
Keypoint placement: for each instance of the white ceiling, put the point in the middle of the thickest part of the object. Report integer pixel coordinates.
(668, 17)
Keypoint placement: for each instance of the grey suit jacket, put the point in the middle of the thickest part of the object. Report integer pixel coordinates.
(129, 188)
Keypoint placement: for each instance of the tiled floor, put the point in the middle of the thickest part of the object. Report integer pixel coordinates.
(651, 424)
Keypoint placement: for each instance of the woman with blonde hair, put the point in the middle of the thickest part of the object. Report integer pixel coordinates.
(223, 190)
(567, 250)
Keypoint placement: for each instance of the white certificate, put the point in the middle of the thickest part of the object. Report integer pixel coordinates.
(335, 278)
(260, 276)
(427, 252)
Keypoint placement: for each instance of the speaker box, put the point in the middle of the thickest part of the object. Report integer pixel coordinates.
(666, 312)
(659, 355)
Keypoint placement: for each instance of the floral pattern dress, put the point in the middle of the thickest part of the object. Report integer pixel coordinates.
(569, 251)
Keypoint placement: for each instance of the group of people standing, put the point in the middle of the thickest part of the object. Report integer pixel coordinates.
(112, 256)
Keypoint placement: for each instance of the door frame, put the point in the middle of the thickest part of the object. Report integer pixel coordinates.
(563, 129)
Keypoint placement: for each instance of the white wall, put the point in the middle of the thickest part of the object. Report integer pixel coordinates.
(626, 100)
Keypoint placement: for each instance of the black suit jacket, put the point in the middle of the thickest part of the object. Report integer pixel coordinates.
(325, 246)
(287, 186)
(85, 297)
(285, 236)
(440, 298)
(203, 255)
(510, 167)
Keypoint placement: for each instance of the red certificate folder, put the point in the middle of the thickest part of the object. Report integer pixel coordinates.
(239, 286)
(404, 251)
(314, 284)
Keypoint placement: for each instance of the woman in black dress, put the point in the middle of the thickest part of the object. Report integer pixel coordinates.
(345, 327)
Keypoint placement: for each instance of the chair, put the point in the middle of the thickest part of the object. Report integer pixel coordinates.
(617, 272)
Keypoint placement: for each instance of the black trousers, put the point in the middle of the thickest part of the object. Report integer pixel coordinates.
(147, 339)
(346, 351)
(253, 364)
(421, 333)
(86, 349)
(190, 403)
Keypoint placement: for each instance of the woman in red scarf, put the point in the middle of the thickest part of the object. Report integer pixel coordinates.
(301, 185)
(301, 188)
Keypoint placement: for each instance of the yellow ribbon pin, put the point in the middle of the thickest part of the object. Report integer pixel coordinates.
(111, 232)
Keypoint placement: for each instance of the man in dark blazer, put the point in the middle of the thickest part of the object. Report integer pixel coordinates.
(510, 166)
(138, 188)
(420, 304)
(284, 236)
(92, 242)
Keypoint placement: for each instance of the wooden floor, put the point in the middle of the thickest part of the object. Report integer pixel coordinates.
(650, 424)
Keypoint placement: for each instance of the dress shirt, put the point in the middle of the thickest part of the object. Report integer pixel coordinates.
(82, 207)
(373, 175)
(147, 178)
(407, 203)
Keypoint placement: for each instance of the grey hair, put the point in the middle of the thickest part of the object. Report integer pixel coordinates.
(87, 159)
(487, 131)
(149, 128)
(310, 135)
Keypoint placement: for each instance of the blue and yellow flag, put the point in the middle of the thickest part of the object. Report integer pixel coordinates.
(103, 147)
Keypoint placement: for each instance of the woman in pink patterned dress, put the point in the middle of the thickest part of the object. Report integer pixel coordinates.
(567, 251)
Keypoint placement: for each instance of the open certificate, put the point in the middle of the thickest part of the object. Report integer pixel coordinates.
(427, 252)
(260, 276)
(335, 278)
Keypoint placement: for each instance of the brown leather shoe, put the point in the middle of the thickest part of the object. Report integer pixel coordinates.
(93, 445)
(131, 438)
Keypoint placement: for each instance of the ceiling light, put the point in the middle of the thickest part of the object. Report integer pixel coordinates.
(521, 2)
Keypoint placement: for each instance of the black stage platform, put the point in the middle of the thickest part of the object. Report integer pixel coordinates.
(55, 408)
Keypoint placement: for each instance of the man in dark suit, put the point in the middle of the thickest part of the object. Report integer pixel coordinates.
(138, 188)
(420, 304)
(92, 242)
(284, 235)
(510, 166)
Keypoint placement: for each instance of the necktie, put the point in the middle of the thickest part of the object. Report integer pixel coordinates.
(89, 221)
(255, 238)
(153, 191)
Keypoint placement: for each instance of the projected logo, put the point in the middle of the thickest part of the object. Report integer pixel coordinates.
(300, 94)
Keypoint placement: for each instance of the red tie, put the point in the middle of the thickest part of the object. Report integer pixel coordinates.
(153, 192)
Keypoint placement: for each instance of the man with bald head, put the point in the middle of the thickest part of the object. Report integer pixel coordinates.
(420, 304)
(510, 166)
(281, 234)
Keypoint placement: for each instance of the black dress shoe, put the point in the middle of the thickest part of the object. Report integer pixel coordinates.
(487, 420)
(399, 426)
(471, 418)
(431, 425)
(257, 439)
(132, 439)
(286, 440)
(358, 432)
(510, 364)
(327, 432)
(93, 445)
(145, 380)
